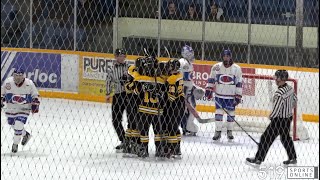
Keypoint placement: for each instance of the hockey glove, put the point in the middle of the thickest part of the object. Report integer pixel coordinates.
(209, 93)
(237, 100)
(35, 105)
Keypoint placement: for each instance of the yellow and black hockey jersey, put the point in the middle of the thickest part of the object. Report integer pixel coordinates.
(129, 85)
(175, 86)
(150, 94)
(176, 98)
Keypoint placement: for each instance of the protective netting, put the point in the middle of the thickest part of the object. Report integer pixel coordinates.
(74, 139)
(97, 26)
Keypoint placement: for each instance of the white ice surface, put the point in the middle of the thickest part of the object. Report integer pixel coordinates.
(76, 140)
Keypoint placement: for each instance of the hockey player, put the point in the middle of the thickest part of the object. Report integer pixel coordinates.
(186, 68)
(175, 107)
(226, 79)
(132, 134)
(21, 97)
(149, 87)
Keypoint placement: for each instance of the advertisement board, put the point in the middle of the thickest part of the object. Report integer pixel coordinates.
(44, 69)
(93, 74)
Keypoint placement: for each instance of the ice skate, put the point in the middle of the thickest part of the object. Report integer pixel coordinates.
(217, 136)
(230, 136)
(14, 148)
(26, 138)
(120, 147)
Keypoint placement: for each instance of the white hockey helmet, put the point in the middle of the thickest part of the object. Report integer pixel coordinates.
(187, 53)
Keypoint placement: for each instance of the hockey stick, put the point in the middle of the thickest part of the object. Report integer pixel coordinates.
(236, 122)
(146, 52)
(167, 51)
(196, 114)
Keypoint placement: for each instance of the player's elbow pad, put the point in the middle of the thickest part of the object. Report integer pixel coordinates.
(35, 105)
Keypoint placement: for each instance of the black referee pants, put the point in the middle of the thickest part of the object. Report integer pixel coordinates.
(118, 106)
(278, 126)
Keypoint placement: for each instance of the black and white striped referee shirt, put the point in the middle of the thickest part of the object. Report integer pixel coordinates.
(115, 80)
(284, 101)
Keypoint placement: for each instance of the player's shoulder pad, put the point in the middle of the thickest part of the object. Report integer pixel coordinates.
(174, 78)
(135, 74)
(9, 80)
(217, 66)
(131, 70)
(28, 81)
(236, 66)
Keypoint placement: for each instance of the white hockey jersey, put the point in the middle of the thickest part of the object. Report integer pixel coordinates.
(18, 99)
(186, 68)
(227, 81)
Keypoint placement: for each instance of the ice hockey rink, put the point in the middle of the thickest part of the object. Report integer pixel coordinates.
(76, 140)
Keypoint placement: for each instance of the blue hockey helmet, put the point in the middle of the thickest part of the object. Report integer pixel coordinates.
(18, 71)
(18, 75)
(227, 52)
(227, 61)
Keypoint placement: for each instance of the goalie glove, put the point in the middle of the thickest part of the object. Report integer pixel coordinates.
(35, 105)
(209, 92)
(198, 92)
(237, 100)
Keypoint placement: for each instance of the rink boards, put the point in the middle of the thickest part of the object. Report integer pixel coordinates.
(81, 76)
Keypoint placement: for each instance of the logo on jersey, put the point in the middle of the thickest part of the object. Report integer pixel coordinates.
(226, 79)
(216, 68)
(8, 86)
(19, 99)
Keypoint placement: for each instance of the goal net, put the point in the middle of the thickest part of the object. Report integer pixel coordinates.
(260, 103)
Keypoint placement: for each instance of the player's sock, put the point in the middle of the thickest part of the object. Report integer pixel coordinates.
(126, 148)
(17, 136)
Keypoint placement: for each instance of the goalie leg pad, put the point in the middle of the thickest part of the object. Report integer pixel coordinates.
(191, 126)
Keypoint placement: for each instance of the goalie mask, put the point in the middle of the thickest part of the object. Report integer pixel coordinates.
(227, 58)
(187, 53)
(18, 76)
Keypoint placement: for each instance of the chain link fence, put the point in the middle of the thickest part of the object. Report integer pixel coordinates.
(76, 139)
(258, 32)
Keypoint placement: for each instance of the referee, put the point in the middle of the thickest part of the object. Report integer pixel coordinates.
(116, 78)
(284, 101)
